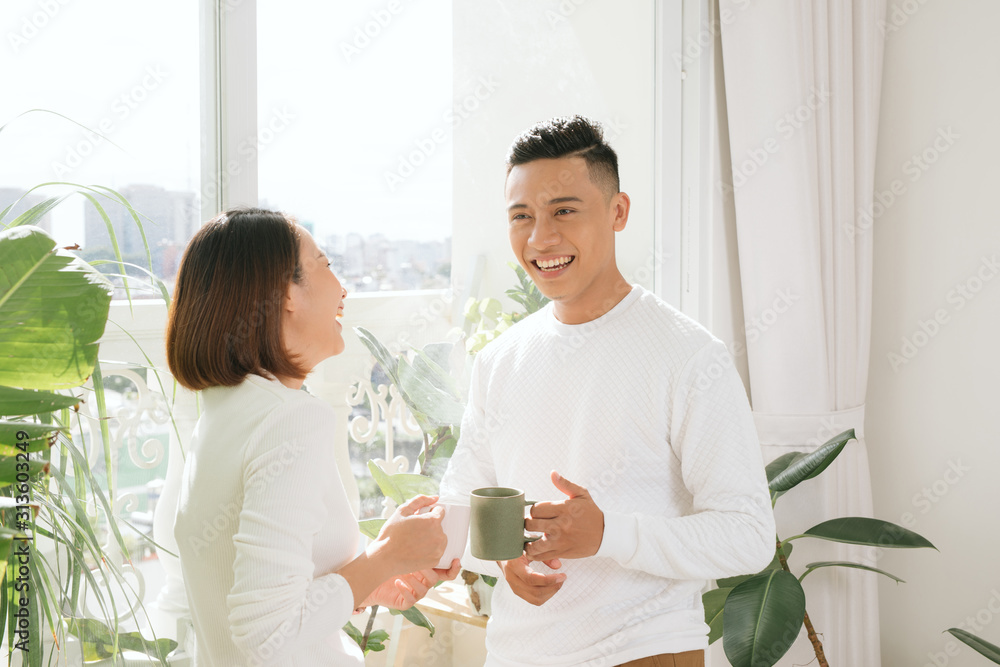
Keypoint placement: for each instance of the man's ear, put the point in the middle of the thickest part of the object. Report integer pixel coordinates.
(620, 204)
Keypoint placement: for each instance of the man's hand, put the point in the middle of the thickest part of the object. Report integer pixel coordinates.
(529, 585)
(405, 591)
(573, 527)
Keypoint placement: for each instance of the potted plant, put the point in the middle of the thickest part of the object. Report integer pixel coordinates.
(53, 311)
(426, 382)
(759, 616)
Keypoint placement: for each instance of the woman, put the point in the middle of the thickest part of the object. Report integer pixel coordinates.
(268, 543)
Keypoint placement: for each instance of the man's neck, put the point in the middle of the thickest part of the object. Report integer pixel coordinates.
(581, 312)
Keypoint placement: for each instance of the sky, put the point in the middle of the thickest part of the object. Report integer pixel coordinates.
(347, 93)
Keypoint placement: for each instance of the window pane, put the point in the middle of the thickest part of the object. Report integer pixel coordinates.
(128, 71)
(359, 96)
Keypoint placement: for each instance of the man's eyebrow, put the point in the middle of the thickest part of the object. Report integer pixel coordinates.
(557, 200)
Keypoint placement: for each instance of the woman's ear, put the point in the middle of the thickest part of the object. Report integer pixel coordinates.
(293, 298)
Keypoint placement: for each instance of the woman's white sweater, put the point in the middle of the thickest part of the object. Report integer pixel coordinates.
(262, 524)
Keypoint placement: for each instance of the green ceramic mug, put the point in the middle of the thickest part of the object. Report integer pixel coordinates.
(496, 530)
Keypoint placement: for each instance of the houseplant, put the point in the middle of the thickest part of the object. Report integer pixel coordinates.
(759, 616)
(53, 310)
(425, 381)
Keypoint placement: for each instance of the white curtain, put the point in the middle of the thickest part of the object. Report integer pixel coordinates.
(802, 83)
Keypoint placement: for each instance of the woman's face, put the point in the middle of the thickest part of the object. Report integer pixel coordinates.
(312, 328)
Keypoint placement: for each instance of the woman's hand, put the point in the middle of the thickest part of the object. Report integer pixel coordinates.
(405, 591)
(411, 542)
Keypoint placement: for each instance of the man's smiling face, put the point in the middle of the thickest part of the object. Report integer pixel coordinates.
(562, 230)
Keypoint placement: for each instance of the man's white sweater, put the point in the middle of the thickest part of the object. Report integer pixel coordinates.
(643, 407)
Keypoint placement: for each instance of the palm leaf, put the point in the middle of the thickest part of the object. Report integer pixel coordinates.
(53, 307)
(981, 646)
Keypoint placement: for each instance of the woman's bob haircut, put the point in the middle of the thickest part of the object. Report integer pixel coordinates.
(225, 318)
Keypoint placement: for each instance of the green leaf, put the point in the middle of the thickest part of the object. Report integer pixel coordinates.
(23, 402)
(7, 537)
(370, 527)
(376, 641)
(981, 646)
(353, 633)
(415, 616)
(868, 532)
(714, 602)
(430, 405)
(53, 308)
(9, 471)
(471, 312)
(490, 309)
(435, 373)
(96, 639)
(762, 618)
(382, 355)
(843, 563)
(384, 482)
(134, 641)
(37, 437)
(402, 486)
(440, 354)
(488, 580)
(804, 466)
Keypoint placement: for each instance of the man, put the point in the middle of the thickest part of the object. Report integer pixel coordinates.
(622, 413)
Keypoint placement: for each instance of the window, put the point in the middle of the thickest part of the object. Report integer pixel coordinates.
(355, 138)
(128, 73)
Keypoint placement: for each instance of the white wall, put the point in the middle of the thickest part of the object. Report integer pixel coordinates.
(549, 58)
(932, 422)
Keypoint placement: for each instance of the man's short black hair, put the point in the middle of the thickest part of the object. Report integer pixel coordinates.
(569, 136)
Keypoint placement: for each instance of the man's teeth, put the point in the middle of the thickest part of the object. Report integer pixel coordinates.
(553, 264)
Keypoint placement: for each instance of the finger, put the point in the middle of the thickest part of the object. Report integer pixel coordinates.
(541, 580)
(547, 510)
(408, 596)
(553, 563)
(539, 525)
(569, 488)
(451, 572)
(543, 552)
(415, 503)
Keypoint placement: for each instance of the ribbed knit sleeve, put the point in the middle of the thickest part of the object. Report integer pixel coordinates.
(471, 466)
(730, 530)
(277, 601)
